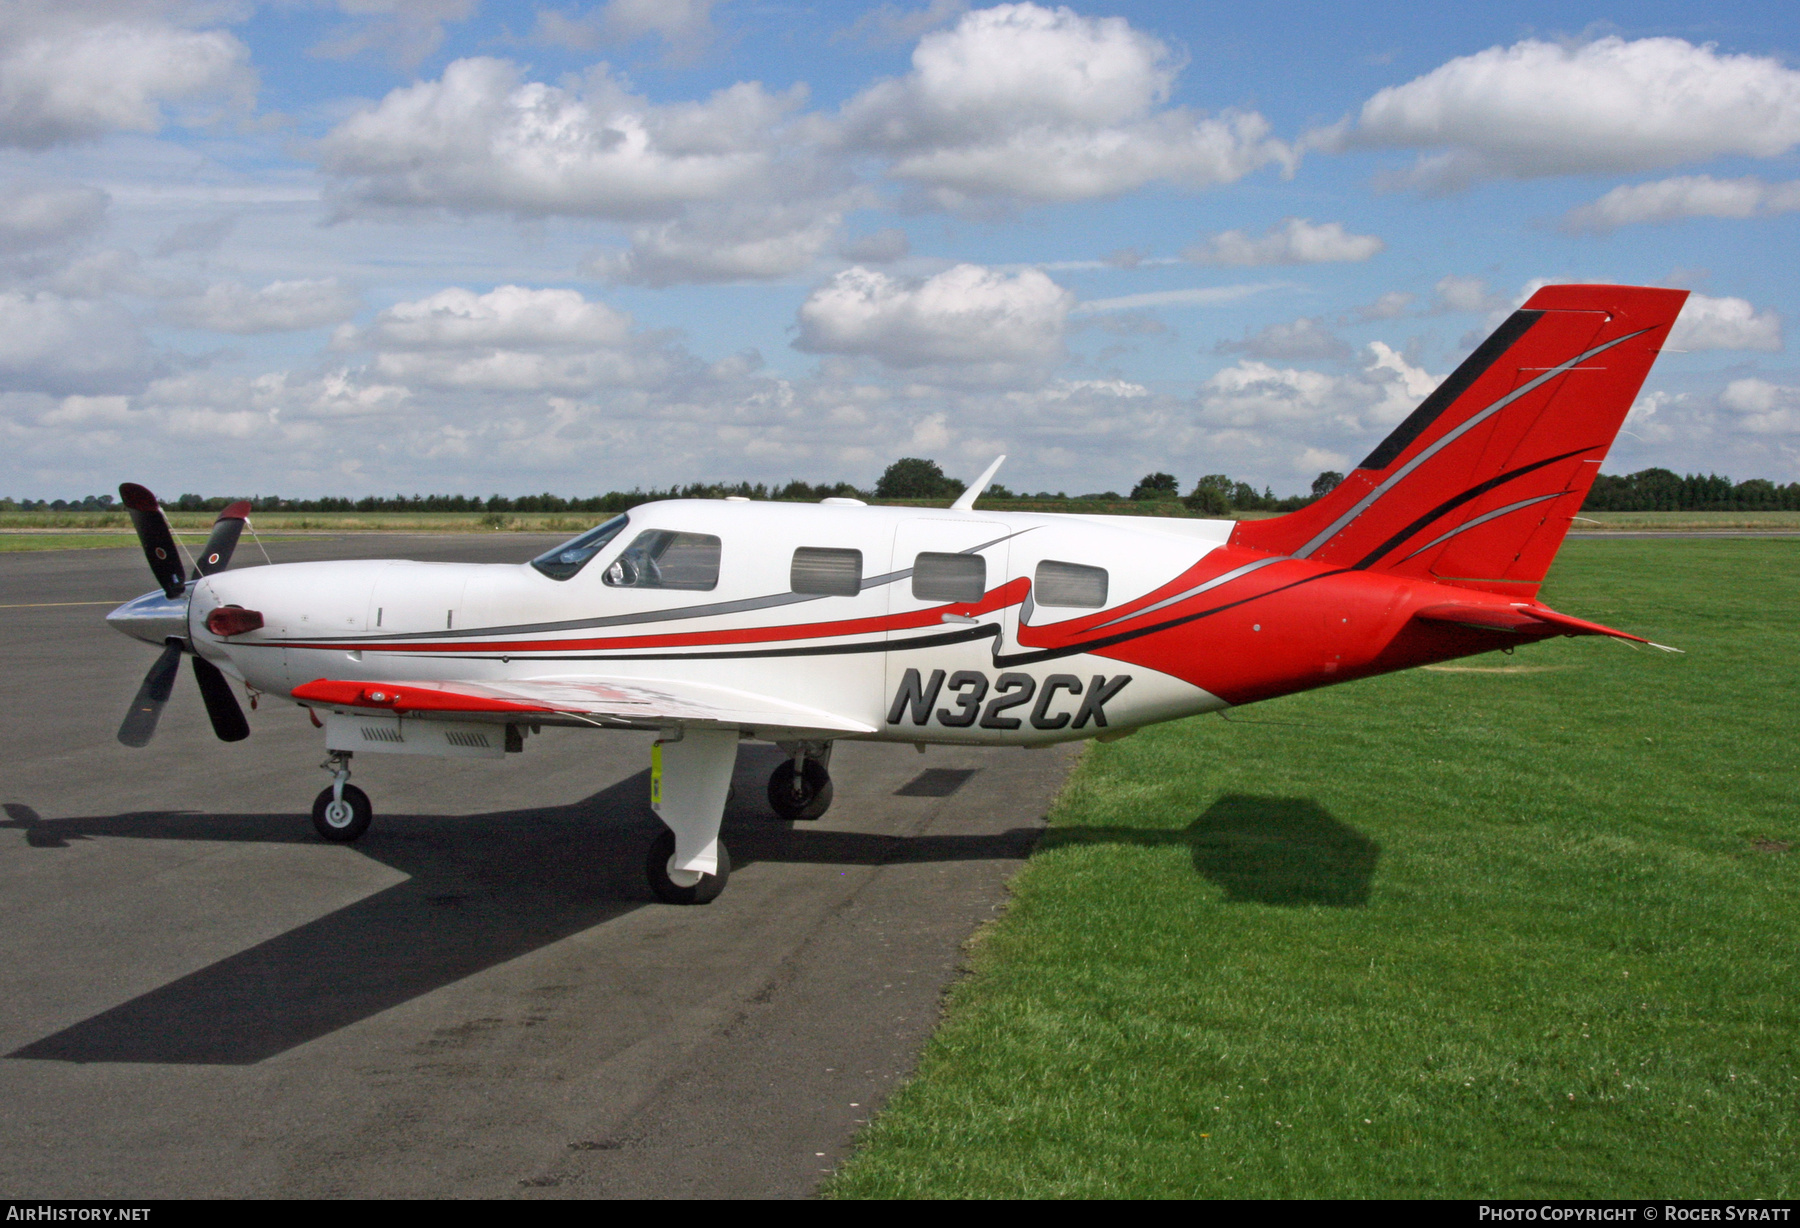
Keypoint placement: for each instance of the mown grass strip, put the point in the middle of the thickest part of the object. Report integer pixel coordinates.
(12, 543)
(1452, 933)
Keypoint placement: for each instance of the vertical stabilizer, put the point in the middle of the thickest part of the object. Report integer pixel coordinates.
(1478, 485)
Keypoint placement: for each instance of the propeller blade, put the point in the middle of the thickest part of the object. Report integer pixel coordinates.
(140, 720)
(224, 539)
(221, 705)
(158, 542)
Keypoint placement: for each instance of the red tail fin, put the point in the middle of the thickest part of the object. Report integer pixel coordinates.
(1477, 487)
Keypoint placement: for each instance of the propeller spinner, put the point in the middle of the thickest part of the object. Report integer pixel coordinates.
(162, 618)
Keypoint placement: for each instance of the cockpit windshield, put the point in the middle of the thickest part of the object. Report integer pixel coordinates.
(573, 555)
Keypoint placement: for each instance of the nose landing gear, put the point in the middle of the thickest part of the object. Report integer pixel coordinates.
(342, 812)
(800, 789)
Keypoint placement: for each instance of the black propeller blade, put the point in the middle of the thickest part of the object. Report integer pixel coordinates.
(221, 705)
(153, 532)
(224, 539)
(140, 721)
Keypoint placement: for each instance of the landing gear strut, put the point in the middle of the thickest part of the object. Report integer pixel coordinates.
(690, 777)
(341, 813)
(800, 789)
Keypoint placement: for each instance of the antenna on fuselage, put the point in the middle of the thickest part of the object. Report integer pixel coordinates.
(965, 502)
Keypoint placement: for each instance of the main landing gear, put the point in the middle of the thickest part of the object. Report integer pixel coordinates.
(690, 777)
(341, 813)
(690, 782)
(800, 789)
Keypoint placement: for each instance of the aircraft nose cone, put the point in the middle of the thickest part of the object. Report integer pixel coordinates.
(153, 618)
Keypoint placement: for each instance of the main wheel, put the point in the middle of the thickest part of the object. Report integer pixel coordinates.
(342, 822)
(703, 890)
(803, 804)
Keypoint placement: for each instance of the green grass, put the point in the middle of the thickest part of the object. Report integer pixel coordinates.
(13, 542)
(1522, 932)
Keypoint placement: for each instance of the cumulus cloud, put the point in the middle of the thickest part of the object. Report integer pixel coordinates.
(1034, 104)
(1302, 340)
(1763, 408)
(59, 345)
(1671, 200)
(746, 242)
(1389, 306)
(63, 78)
(1455, 293)
(408, 30)
(685, 25)
(880, 247)
(887, 25)
(1709, 323)
(1611, 105)
(964, 315)
(38, 217)
(514, 339)
(1293, 240)
(280, 306)
(1356, 408)
(200, 236)
(481, 139)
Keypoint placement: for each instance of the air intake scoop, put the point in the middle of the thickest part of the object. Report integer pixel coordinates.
(228, 620)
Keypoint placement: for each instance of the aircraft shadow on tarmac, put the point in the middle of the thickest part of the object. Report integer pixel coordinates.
(480, 890)
(1283, 851)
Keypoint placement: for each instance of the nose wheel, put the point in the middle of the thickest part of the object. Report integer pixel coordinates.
(342, 812)
(800, 794)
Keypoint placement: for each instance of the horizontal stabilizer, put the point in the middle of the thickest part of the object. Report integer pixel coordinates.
(1521, 619)
(628, 704)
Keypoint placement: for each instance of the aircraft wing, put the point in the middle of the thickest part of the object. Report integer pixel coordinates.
(1524, 619)
(631, 704)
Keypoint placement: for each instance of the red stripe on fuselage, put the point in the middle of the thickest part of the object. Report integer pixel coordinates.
(1011, 593)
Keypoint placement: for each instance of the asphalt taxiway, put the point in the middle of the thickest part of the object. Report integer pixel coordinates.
(480, 998)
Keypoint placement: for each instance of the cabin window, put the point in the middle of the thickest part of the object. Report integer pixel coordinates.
(826, 572)
(573, 555)
(949, 577)
(1069, 584)
(663, 558)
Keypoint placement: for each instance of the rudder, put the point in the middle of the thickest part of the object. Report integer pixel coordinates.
(1478, 486)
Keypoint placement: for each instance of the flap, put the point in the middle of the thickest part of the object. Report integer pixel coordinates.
(637, 703)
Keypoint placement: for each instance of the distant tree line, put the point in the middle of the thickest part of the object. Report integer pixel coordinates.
(1661, 490)
(913, 477)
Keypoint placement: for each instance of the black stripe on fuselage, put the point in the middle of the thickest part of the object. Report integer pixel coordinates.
(1450, 505)
(1432, 407)
(984, 631)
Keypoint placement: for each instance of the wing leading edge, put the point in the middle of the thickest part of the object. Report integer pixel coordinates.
(639, 704)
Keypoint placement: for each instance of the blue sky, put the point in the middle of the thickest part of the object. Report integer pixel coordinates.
(459, 245)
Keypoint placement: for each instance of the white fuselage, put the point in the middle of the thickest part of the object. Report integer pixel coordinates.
(870, 657)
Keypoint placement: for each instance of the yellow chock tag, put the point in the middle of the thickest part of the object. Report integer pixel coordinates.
(656, 776)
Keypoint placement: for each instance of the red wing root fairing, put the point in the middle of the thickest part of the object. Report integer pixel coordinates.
(706, 622)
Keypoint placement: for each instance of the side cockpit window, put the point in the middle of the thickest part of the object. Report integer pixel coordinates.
(1069, 584)
(825, 572)
(573, 555)
(663, 558)
(949, 577)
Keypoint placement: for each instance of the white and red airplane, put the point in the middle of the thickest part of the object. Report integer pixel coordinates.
(711, 621)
